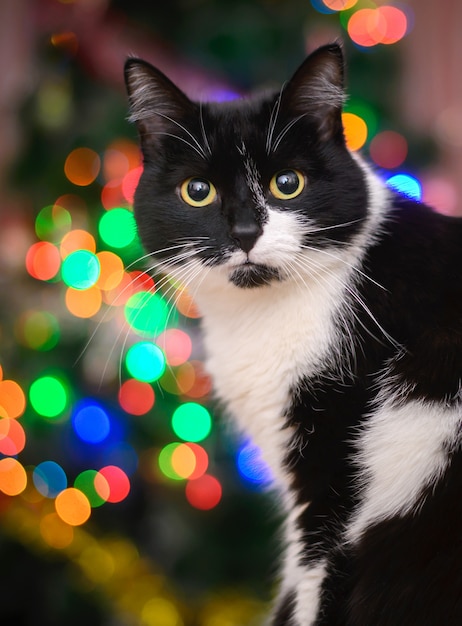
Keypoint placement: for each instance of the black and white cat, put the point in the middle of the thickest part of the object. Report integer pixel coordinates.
(332, 320)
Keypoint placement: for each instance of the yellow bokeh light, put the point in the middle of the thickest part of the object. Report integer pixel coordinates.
(183, 461)
(160, 612)
(355, 129)
(55, 532)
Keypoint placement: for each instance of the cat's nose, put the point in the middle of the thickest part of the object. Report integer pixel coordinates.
(246, 235)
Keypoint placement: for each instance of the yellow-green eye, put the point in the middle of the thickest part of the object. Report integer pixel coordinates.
(287, 184)
(198, 192)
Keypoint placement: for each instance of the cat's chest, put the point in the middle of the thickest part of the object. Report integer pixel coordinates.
(260, 345)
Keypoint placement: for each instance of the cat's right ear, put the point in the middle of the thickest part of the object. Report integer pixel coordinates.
(155, 102)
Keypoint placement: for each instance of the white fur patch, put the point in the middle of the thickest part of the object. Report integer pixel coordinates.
(402, 450)
(261, 342)
(309, 594)
(306, 581)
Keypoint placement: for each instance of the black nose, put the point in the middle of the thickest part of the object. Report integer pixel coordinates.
(246, 235)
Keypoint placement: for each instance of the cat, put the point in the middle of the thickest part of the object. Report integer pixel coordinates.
(332, 321)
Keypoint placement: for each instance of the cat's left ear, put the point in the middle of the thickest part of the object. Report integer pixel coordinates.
(317, 90)
(155, 102)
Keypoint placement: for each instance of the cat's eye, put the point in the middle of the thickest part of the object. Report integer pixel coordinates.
(287, 184)
(198, 192)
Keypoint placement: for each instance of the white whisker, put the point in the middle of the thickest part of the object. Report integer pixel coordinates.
(183, 128)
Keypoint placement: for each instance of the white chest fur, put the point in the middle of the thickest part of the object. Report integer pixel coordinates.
(259, 344)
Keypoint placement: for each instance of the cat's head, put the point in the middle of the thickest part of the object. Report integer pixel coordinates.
(252, 189)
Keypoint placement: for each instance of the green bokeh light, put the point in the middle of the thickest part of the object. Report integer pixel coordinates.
(147, 313)
(40, 330)
(191, 422)
(145, 361)
(52, 223)
(165, 461)
(81, 269)
(49, 396)
(85, 481)
(117, 228)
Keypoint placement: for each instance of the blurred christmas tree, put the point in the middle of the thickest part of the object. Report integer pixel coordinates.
(126, 499)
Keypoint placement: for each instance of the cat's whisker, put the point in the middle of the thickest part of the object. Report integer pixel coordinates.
(315, 274)
(204, 134)
(200, 149)
(120, 294)
(354, 294)
(188, 143)
(285, 130)
(336, 257)
(319, 229)
(273, 120)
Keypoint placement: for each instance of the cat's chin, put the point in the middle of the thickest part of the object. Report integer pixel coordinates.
(251, 275)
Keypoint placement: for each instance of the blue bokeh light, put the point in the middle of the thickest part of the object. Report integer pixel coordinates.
(406, 184)
(251, 465)
(321, 7)
(91, 422)
(49, 479)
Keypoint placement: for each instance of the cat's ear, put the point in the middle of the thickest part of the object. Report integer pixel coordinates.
(317, 90)
(155, 102)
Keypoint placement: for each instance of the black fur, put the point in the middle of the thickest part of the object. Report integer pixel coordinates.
(406, 569)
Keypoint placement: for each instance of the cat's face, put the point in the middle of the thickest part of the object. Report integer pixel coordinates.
(254, 189)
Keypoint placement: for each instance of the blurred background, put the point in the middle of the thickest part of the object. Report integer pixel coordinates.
(125, 498)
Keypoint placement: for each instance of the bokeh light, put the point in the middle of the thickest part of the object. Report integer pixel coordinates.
(38, 330)
(82, 166)
(189, 460)
(118, 482)
(204, 493)
(322, 7)
(49, 396)
(406, 184)
(251, 465)
(355, 129)
(55, 532)
(12, 436)
(186, 305)
(165, 461)
(136, 397)
(147, 313)
(388, 149)
(73, 506)
(94, 486)
(13, 477)
(111, 270)
(145, 361)
(117, 228)
(75, 240)
(80, 269)
(43, 260)
(83, 303)
(160, 612)
(340, 5)
(381, 25)
(12, 399)
(91, 422)
(191, 422)
(52, 223)
(130, 182)
(49, 479)
(176, 345)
